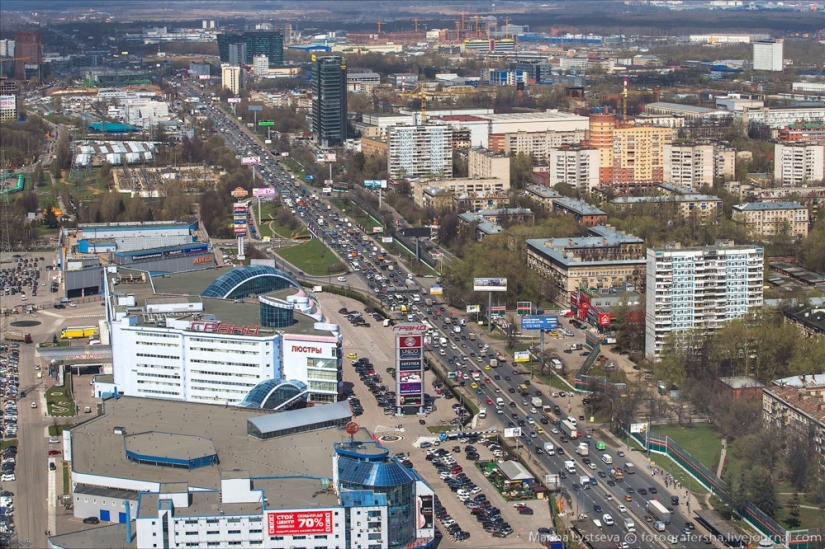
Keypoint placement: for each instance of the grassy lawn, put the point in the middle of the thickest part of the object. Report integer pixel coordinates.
(439, 428)
(57, 430)
(8, 442)
(59, 401)
(356, 214)
(66, 488)
(700, 439)
(664, 462)
(810, 518)
(313, 258)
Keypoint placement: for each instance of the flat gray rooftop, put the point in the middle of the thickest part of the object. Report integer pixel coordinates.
(298, 418)
(169, 445)
(200, 504)
(103, 537)
(97, 450)
(118, 493)
(190, 283)
(295, 492)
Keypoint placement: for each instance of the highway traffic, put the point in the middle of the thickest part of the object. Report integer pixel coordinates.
(592, 488)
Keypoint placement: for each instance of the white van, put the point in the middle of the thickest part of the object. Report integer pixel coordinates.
(482, 413)
(499, 401)
(606, 458)
(342, 279)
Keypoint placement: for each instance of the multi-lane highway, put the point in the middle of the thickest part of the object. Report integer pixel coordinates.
(626, 498)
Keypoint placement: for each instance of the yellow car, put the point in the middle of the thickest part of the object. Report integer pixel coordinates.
(540, 431)
(474, 385)
(487, 367)
(353, 356)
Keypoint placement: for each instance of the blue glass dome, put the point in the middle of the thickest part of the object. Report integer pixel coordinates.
(251, 280)
(274, 394)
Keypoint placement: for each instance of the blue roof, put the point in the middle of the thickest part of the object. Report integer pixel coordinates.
(241, 281)
(112, 127)
(259, 395)
(374, 473)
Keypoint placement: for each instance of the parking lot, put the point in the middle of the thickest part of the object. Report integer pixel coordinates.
(376, 344)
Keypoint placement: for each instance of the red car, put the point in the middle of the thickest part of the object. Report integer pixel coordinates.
(55, 452)
(489, 401)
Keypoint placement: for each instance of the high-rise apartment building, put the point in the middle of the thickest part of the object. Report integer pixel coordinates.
(690, 165)
(266, 43)
(798, 163)
(237, 54)
(689, 288)
(420, 151)
(231, 78)
(576, 166)
(631, 157)
(329, 100)
(27, 55)
(6, 48)
(767, 55)
(484, 163)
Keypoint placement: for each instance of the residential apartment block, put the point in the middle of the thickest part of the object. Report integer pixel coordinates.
(690, 165)
(231, 78)
(543, 195)
(536, 143)
(606, 259)
(484, 163)
(797, 164)
(762, 219)
(796, 407)
(702, 287)
(631, 157)
(420, 151)
(706, 208)
(574, 165)
(425, 192)
(582, 212)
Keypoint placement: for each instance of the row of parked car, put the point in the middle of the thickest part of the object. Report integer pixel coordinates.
(9, 388)
(7, 503)
(467, 492)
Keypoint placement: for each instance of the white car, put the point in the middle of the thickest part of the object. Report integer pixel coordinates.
(607, 519)
(8, 478)
(622, 508)
(571, 420)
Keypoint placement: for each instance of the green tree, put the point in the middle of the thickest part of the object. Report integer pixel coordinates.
(521, 170)
(50, 218)
(793, 520)
(761, 490)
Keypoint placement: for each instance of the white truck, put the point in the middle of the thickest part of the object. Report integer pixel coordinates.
(570, 466)
(658, 511)
(549, 449)
(583, 449)
(536, 402)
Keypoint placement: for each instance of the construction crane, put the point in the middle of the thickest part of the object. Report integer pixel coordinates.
(379, 26)
(415, 20)
(419, 92)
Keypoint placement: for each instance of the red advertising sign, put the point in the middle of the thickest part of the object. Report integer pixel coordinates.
(604, 319)
(409, 341)
(299, 523)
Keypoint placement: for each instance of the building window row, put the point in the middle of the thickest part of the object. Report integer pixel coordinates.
(223, 363)
(149, 355)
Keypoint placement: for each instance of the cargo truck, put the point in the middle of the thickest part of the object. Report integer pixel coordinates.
(570, 466)
(583, 449)
(472, 336)
(568, 429)
(18, 336)
(547, 409)
(549, 449)
(536, 402)
(617, 474)
(523, 390)
(428, 302)
(658, 511)
(78, 332)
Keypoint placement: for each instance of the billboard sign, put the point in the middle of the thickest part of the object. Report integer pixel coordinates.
(7, 102)
(292, 523)
(409, 354)
(409, 329)
(521, 356)
(264, 192)
(406, 400)
(203, 77)
(410, 388)
(386, 240)
(638, 427)
(473, 309)
(409, 365)
(325, 157)
(604, 319)
(436, 290)
(255, 108)
(327, 190)
(233, 100)
(375, 183)
(409, 341)
(490, 285)
(239, 193)
(240, 230)
(250, 160)
(424, 512)
(265, 123)
(410, 377)
(512, 432)
(540, 322)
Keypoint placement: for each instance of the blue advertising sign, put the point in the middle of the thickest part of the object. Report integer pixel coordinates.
(309, 177)
(540, 322)
(409, 353)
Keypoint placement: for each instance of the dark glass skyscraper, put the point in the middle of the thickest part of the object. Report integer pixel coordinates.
(329, 100)
(257, 43)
